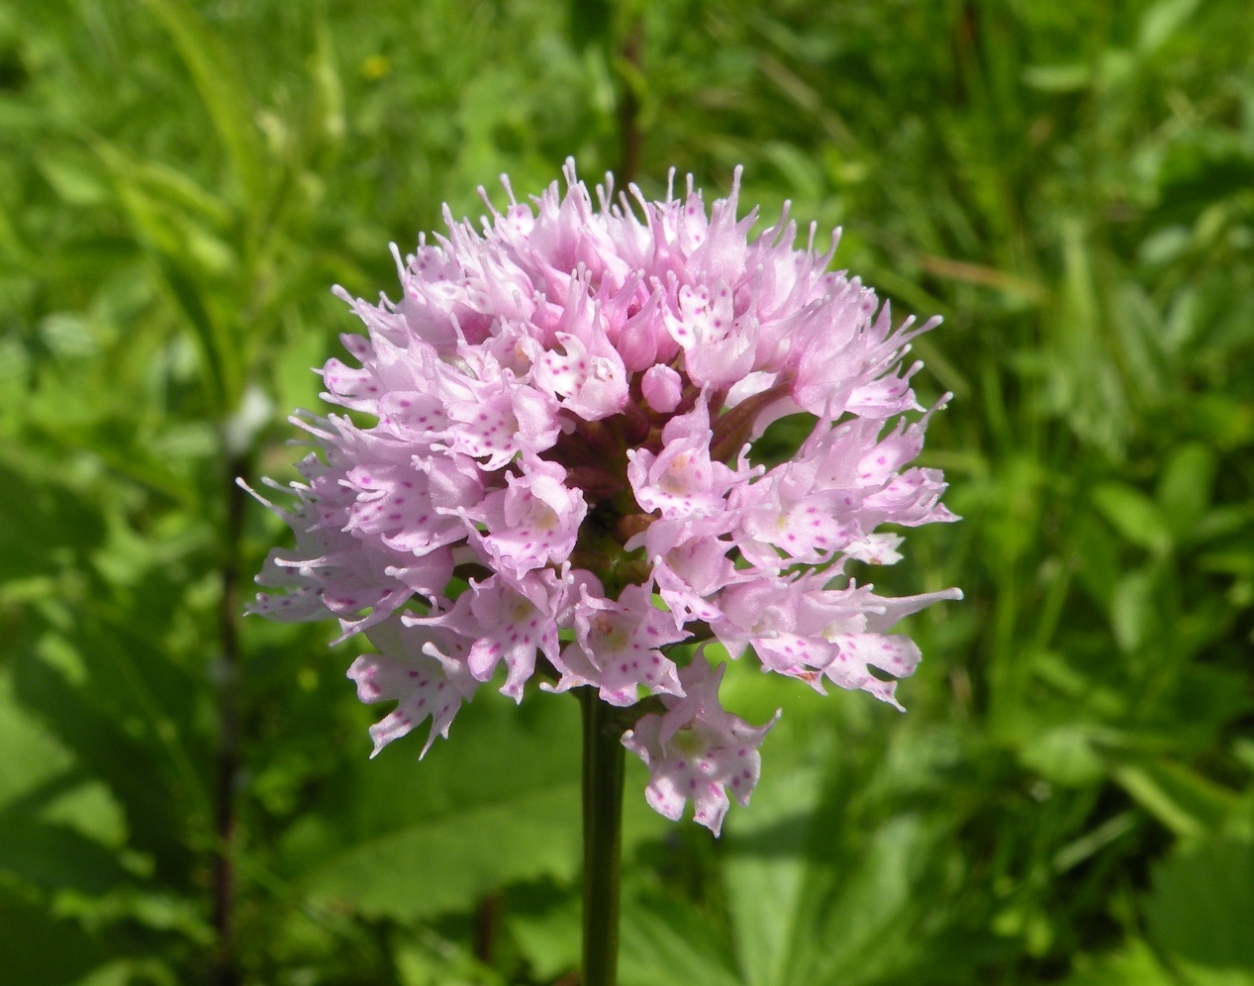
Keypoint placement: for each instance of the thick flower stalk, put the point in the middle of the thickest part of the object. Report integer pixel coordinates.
(559, 480)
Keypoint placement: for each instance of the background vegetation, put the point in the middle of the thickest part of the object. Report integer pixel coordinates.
(1071, 796)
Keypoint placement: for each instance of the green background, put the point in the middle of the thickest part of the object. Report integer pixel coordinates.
(1070, 798)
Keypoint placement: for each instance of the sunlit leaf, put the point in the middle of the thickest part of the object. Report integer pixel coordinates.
(1184, 489)
(73, 178)
(1162, 20)
(447, 864)
(1134, 965)
(1133, 612)
(32, 754)
(132, 767)
(1134, 515)
(1064, 755)
(766, 873)
(665, 943)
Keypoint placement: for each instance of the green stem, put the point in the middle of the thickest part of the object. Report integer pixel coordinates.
(603, 765)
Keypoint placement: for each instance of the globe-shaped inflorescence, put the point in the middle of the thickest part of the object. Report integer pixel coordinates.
(558, 482)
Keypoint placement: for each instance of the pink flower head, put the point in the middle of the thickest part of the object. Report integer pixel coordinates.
(560, 482)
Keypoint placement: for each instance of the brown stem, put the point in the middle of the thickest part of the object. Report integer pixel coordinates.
(732, 430)
(487, 924)
(224, 971)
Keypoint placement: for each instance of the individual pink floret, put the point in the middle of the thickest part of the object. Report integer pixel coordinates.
(533, 522)
(618, 645)
(681, 480)
(696, 751)
(425, 681)
(504, 622)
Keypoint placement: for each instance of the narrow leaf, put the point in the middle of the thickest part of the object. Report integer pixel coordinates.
(1186, 803)
(221, 90)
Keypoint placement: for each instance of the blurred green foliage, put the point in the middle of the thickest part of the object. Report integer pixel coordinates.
(1070, 798)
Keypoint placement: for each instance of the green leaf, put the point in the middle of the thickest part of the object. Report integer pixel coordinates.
(1161, 21)
(90, 810)
(1201, 701)
(54, 857)
(296, 384)
(326, 78)
(1184, 489)
(823, 893)
(1134, 515)
(766, 870)
(1133, 614)
(1092, 842)
(1202, 904)
(497, 803)
(21, 114)
(42, 519)
(37, 949)
(11, 246)
(179, 188)
(1058, 78)
(591, 23)
(429, 959)
(73, 177)
(1097, 551)
(171, 242)
(544, 919)
(218, 348)
(666, 942)
(1188, 804)
(450, 863)
(869, 931)
(1063, 756)
(32, 756)
(1222, 522)
(1134, 965)
(159, 806)
(131, 972)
